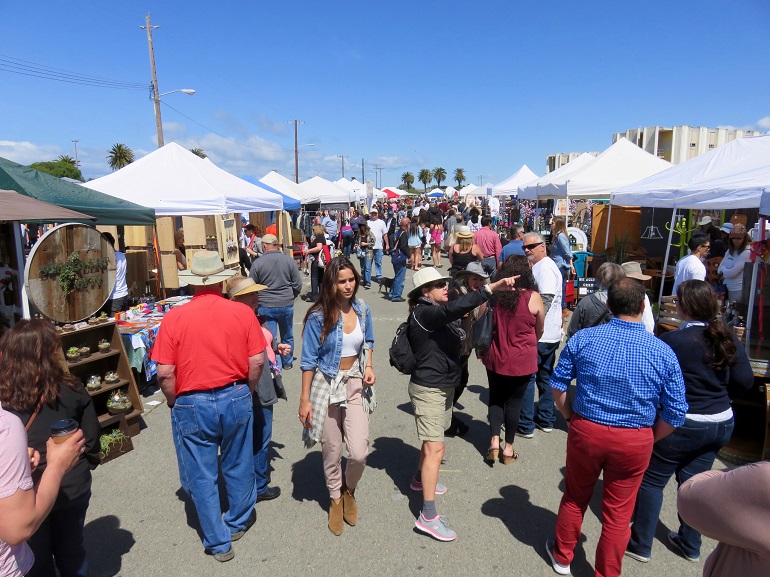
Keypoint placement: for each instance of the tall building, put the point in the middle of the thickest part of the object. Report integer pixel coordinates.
(554, 161)
(681, 143)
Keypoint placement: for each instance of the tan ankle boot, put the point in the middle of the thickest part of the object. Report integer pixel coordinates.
(336, 525)
(349, 507)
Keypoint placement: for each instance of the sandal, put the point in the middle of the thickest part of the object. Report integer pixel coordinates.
(508, 459)
(492, 454)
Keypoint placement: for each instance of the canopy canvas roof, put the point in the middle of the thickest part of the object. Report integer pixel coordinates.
(15, 206)
(105, 209)
(176, 182)
(319, 190)
(548, 186)
(733, 175)
(468, 189)
(359, 189)
(510, 186)
(285, 187)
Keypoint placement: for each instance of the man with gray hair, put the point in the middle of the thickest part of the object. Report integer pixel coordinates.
(514, 245)
(592, 310)
(549, 282)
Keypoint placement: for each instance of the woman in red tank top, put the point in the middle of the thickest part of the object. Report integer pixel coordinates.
(518, 318)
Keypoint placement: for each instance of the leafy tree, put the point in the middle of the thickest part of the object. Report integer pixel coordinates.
(67, 158)
(459, 177)
(59, 169)
(198, 152)
(120, 155)
(408, 179)
(439, 174)
(425, 176)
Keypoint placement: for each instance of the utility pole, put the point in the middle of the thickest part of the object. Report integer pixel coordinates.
(362, 171)
(340, 156)
(77, 163)
(378, 176)
(154, 86)
(296, 148)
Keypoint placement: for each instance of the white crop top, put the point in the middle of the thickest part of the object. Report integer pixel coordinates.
(352, 343)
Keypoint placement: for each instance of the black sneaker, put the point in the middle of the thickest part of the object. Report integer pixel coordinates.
(270, 494)
(673, 538)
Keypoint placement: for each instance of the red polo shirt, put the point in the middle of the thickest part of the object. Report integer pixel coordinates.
(209, 341)
(488, 242)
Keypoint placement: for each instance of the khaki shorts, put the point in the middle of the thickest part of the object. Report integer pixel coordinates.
(432, 410)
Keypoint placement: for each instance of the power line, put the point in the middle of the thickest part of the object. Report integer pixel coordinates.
(27, 68)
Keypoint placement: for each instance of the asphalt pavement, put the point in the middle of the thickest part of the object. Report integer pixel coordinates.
(140, 524)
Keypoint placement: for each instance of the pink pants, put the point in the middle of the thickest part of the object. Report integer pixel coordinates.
(352, 425)
(623, 456)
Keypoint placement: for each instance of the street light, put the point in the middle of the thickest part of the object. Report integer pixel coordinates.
(189, 91)
(296, 160)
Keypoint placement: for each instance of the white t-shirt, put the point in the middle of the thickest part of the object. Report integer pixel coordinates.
(731, 268)
(549, 281)
(379, 229)
(121, 288)
(494, 206)
(689, 268)
(416, 211)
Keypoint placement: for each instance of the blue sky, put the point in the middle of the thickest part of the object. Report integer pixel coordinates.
(486, 86)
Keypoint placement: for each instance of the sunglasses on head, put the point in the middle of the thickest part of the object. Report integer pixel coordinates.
(438, 284)
(531, 246)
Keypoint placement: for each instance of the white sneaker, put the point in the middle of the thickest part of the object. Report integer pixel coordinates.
(560, 569)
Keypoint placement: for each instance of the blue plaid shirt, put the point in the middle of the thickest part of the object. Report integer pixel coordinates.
(624, 375)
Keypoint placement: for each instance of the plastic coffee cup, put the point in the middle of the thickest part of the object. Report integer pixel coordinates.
(63, 430)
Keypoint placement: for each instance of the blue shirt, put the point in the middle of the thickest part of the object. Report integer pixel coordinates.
(560, 252)
(623, 375)
(512, 248)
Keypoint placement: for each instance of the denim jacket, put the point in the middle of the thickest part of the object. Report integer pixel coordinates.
(326, 355)
(560, 251)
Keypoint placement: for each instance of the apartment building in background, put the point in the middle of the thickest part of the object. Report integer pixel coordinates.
(680, 143)
(554, 161)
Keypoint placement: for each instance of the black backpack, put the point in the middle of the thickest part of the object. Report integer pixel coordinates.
(400, 352)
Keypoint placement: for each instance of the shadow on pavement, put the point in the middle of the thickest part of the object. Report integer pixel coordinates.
(106, 561)
(191, 515)
(307, 479)
(399, 461)
(406, 407)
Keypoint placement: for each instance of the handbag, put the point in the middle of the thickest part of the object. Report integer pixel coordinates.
(280, 390)
(360, 253)
(482, 331)
(398, 256)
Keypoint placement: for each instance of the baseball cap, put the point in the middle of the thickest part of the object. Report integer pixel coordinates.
(727, 227)
(269, 239)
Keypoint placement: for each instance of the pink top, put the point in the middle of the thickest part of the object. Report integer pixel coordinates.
(269, 348)
(15, 474)
(488, 242)
(514, 344)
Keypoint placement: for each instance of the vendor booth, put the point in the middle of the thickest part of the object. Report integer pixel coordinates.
(510, 186)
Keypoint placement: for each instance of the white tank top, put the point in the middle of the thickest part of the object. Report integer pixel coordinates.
(352, 343)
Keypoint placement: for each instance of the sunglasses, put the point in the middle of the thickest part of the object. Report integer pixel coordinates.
(532, 246)
(438, 285)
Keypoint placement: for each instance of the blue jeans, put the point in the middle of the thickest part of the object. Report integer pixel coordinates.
(378, 262)
(489, 264)
(280, 318)
(398, 281)
(60, 539)
(366, 271)
(263, 432)
(564, 279)
(689, 450)
(202, 423)
(543, 413)
(347, 242)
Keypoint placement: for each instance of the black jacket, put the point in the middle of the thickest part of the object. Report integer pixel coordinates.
(435, 345)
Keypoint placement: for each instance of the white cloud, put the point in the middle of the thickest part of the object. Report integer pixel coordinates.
(27, 152)
(764, 123)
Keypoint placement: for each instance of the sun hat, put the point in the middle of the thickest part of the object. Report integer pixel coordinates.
(464, 232)
(242, 285)
(423, 277)
(473, 268)
(206, 269)
(738, 231)
(269, 239)
(705, 220)
(727, 227)
(373, 211)
(634, 270)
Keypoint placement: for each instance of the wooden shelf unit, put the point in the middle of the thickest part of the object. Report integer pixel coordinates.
(98, 363)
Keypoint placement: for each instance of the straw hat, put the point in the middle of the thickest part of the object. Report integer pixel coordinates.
(207, 269)
(738, 231)
(424, 277)
(473, 268)
(242, 285)
(634, 270)
(464, 232)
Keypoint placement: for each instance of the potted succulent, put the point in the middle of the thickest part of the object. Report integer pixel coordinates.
(73, 354)
(104, 346)
(68, 328)
(93, 321)
(85, 352)
(111, 377)
(119, 403)
(103, 315)
(94, 383)
(114, 444)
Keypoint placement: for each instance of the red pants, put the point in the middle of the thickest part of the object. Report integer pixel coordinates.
(623, 455)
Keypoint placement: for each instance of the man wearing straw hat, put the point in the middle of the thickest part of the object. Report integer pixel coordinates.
(209, 355)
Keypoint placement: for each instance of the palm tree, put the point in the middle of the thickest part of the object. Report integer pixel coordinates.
(439, 174)
(198, 152)
(408, 179)
(120, 155)
(66, 158)
(459, 177)
(425, 177)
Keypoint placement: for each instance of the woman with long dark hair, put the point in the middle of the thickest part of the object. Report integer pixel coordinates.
(518, 319)
(337, 378)
(716, 370)
(561, 254)
(365, 250)
(735, 259)
(35, 387)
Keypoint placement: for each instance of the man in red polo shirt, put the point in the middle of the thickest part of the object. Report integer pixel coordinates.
(209, 355)
(489, 244)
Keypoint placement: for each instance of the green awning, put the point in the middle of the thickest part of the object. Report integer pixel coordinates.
(104, 208)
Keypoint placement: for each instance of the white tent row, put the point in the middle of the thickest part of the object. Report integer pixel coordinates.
(359, 189)
(547, 186)
(175, 182)
(282, 184)
(510, 186)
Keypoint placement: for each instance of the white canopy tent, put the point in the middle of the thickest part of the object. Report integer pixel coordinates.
(359, 189)
(281, 183)
(320, 190)
(510, 186)
(548, 186)
(467, 189)
(175, 182)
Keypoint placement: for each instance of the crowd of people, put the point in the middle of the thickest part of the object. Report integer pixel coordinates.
(643, 408)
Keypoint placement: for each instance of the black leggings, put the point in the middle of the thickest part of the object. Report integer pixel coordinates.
(505, 397)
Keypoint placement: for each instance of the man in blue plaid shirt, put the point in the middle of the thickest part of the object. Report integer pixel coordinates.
(630, 393)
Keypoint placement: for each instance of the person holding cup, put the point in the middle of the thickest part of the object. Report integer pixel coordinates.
(35, 387)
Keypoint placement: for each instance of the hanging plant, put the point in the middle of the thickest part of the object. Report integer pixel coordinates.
(70, 274)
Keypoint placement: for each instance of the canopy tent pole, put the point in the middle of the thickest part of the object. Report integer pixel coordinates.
(665, 261)
(754, 272)
(607, 233)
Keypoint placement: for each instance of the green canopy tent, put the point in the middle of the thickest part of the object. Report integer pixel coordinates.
(105, 209)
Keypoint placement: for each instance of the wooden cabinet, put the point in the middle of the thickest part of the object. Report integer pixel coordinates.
(99, 363)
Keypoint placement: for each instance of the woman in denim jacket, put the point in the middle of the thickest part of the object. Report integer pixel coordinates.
(337, 379)
(561, 254)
